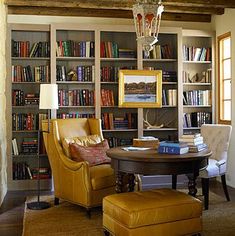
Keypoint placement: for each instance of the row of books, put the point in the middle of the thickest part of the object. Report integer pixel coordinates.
(160, 52)
(81, 73)
(27, 121)
(107, 97)
(196, 119)
(191, 53)
(72, 48)
(167, 76)
(75, 115)
(22, 49)
(21, 99)
(110, 122)
(187, 143)
(24, 73)
(22, 171)
(169, 97)
(29, 145)
(197, 97)
(115, 142)
(203, 77)
(109, 73)
(76, 97)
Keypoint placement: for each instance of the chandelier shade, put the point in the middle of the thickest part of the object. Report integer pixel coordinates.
(147, 17)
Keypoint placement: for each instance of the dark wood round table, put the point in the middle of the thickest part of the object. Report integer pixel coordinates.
(149, 162)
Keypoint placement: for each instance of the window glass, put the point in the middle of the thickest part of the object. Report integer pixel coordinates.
(227, 69)
(227, 50)
(227, 89)
(227, 110)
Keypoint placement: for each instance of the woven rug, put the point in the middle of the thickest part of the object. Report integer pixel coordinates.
(71, 220)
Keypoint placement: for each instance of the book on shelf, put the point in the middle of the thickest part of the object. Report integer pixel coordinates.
(191, 53)
(108, 50)
(160, 52)
(115, 142)
(15, 147)
(75, 115)
(20, 48)
(196, 119)
(107, 97)
(169, 97)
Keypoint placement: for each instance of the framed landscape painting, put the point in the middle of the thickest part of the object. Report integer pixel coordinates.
(140, 88)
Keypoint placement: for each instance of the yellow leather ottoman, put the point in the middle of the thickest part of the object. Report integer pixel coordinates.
(161, 212)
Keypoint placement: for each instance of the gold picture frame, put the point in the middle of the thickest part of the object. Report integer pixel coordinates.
(140, 88)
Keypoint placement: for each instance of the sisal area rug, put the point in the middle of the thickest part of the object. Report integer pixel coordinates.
(71, 220)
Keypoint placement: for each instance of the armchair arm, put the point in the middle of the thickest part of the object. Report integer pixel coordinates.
(220, 163)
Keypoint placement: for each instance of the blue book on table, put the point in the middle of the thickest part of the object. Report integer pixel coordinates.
(173, 150)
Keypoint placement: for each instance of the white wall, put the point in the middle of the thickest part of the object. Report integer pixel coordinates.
(223, 24)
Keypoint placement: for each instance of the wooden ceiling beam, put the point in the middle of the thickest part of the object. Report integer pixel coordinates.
(119, 4)
(58, 11)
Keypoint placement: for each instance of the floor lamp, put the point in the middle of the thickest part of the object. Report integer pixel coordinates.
(48, 100)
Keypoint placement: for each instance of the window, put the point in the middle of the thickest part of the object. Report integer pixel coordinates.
(225, 99)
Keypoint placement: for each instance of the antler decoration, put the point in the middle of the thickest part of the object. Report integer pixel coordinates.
(149, 126)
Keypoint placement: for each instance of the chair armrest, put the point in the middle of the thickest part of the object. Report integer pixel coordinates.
(220, 163)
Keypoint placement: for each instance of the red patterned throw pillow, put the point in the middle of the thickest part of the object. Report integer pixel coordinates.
(94, 154)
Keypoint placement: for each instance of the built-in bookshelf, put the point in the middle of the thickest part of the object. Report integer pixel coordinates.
(198, 79)
(29, 60)
(84, 60)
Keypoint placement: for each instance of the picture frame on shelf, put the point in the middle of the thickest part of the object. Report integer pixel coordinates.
(140, 88)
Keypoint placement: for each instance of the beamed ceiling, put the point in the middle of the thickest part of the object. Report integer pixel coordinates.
(175, 10)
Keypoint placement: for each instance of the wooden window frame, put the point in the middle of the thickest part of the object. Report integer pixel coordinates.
(221, 80)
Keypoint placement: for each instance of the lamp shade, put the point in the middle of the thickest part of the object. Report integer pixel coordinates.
(48, 96)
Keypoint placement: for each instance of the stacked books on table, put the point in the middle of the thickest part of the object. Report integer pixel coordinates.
(169, 147)
(146, 141)
(194, 141)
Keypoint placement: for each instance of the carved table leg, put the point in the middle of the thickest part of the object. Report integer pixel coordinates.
(119, 182)
(131, 182)
(192, 184)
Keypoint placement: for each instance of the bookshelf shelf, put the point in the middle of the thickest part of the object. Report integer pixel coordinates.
(109, 83)
(75, 58)
(118, 59)
(169, 83)
(197, 106)
(31, 58)
(197, 62)
(30, 83)
(76, 107)
(197, 84)
(161, 129)
(192, 128)
(75, 82)
(120, 130)
(160, 60)
(25, 131)
(26, 107)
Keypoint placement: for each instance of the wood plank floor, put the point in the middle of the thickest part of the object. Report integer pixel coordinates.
(12, 209)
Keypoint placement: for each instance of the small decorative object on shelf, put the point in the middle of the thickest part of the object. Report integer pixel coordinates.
(48, 100)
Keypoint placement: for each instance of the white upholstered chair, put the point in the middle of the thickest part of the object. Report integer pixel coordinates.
(217, 137)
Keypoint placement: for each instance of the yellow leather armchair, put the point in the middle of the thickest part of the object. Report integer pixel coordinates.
(76, 182)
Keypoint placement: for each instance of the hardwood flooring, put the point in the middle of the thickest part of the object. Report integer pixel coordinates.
(12, 209)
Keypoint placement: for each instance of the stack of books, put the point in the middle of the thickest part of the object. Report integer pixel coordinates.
(169, 147)
(146, 141)
(194, 141)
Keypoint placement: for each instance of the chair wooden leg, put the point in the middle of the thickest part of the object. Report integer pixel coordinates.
(223, 179)
(88, 211)
(205, 192)
(106, 233)
(174, 181)
(56, 201)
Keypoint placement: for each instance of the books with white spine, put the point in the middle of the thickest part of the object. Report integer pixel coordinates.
(15, 147)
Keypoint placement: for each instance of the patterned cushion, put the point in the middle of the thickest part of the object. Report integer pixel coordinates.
(95, 154)
(83, 141)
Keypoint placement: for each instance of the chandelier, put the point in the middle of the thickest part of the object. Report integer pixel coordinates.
(147, 17)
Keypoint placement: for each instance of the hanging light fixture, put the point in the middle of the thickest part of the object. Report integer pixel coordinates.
(147, 17)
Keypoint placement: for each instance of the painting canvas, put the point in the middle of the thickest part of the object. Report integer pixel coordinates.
(140, 88)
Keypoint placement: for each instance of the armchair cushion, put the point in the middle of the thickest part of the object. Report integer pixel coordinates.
(94, 154)
(102, 176)
(83, 141)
